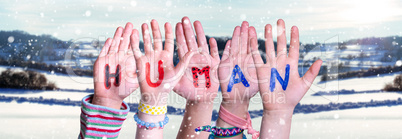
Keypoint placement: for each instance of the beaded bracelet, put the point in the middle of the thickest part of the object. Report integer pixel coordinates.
(220, 131)
(150, 126)
(153, 110)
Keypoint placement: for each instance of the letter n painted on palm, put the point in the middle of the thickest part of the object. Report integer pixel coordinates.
(233, 80)
(275, 74)
(148, 76)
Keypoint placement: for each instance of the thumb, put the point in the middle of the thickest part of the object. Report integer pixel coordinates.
(183, 63)
(312, 72)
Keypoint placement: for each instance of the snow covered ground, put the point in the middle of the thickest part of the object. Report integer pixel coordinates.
(36, 121)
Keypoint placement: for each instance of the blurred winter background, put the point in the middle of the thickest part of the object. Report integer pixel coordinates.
(48, 48)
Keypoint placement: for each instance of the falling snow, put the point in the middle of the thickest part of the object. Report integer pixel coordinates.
(10, 39)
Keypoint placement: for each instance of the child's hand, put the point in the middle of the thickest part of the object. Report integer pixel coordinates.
(238, 52)
(115, 75)
(157, 74)
(200, 82)
(237, 91)
(282, 99)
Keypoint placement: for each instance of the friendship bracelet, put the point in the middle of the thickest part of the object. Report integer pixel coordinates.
(234, 120)
(153, 110)
(150, 126)
(220, 131)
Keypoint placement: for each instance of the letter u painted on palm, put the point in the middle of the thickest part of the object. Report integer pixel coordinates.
(148, 76)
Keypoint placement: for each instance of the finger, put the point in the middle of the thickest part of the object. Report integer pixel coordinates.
(312, 72)
(256, 53)
(183, 64)
(106, 47)
(244, 37)
(126, 37)
(281, 51)
(189, 34)
(201, 39)
(169, 38)
(294, 45)
(251, 34)
(147, 39)
(180, 40)
(214, 48)
(234, 43)
(135, 44)
(157, 37)
(269, 45)
(116, 40)
(130, 65)
(226, 52)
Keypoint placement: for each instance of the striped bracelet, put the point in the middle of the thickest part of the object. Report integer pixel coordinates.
(100, 121)
(147, 125)
(153, 110)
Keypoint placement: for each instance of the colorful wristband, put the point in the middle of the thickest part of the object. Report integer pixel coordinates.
(147, 125)
(236, 121)
(221, 132)
(100, 121)
(153, 110)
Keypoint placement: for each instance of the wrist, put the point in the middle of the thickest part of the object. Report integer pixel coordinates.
(284, 114)
(236, 107)
(150, 118)
(278, 108)
(202, 111)
(240, 109)
(107, 102)
(199, 106)
(154, 99)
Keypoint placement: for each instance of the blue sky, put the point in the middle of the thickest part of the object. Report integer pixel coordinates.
(317, 20)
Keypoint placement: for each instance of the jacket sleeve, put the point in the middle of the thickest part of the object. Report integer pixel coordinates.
(100, 121)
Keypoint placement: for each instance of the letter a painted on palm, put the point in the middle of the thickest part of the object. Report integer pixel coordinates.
(234, 80)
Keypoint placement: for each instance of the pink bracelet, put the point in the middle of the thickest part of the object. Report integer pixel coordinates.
(232, 119)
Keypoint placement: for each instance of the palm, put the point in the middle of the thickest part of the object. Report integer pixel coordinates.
(128, 75)
(186, 87)
(155, 89)
(243, 61)
(116, 52)
(201, 90)
(239, 54)
(168, 69)
(280, 98)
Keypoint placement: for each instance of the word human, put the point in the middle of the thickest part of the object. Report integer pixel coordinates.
(196, 71)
